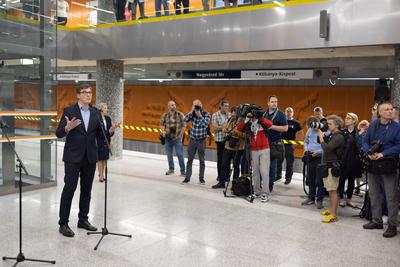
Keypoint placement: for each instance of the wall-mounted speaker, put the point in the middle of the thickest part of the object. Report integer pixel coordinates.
(382, 90)
(324, 24)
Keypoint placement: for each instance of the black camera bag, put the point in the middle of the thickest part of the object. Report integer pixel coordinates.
(277, 150)
(383, 166)
(241, 186)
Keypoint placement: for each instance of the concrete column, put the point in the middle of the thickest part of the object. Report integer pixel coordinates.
(106, 17)
(396, 84)
(110, 89)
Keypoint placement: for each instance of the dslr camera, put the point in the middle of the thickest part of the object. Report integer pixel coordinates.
(376, 147)
(323, 126)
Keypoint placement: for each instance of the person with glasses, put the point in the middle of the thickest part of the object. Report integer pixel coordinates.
(351, 162)
(80, 125)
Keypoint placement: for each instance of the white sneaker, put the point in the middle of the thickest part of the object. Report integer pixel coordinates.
(264, 198)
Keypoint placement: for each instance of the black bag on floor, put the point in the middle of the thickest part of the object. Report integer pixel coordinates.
(365, 212)
(241, 186)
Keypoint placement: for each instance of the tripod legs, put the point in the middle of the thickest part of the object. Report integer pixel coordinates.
(21, 258)
(103, 233)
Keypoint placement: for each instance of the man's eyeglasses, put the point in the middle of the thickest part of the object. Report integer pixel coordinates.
(86, 93)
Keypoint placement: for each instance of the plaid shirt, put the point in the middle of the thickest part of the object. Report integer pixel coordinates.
(173, 124)
(199, 125)
(220, 119)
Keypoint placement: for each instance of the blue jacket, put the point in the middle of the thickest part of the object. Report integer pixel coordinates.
(389, 134)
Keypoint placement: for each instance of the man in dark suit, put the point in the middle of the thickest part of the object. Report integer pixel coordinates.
(80, 124)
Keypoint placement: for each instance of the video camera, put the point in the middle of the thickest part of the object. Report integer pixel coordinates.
(249, 110)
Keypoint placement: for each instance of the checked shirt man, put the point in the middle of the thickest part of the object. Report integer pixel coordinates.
(198, 133)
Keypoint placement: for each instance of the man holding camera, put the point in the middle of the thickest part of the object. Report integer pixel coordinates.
(280, 123)
(382, 144)
(198, 133)
(219, 120)
(172, 127)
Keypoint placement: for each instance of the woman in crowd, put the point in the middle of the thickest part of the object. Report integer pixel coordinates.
(350, 162)
(234, 147)
(332, 147)
(103, 149)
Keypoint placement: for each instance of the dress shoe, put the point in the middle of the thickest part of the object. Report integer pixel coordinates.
(202, 181)
(185, 181)
(219, 185)
(287, 181)
(391, 231)
(373, 225)
(66, 231)
(86, 225)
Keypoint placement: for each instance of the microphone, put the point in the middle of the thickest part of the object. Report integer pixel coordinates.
(3, 124)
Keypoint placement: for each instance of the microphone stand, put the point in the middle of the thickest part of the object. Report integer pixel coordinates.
(20, 257)
(104, 230)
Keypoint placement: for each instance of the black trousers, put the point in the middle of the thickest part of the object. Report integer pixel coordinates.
(350, 186)
(227, 158)
(289, 157)
(220, 153)
(86, 171)
(178, 4)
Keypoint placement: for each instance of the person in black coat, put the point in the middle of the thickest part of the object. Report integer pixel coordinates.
(81, 127)
(104, 150)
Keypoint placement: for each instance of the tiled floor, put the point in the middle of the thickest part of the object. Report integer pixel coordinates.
(189, 225)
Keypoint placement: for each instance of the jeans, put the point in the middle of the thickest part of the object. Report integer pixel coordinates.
(164, 4)
(289, 156)
(193, 147)
(169, 147)
(220, 153)
(206, 5)
(141, 9)
(315, 182)
(390, 183)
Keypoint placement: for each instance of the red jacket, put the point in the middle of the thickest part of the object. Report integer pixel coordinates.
(261, 142)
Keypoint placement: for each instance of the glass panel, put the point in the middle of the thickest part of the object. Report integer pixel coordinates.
(22, 22)
(28, 100)
(86, 13)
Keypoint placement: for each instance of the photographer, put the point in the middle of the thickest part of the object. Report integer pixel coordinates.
(260, 153)
(233, 150)
(312, 158)
(382, 144)
(198, 133)
(332, 147)
(172, 127)
(350, 163)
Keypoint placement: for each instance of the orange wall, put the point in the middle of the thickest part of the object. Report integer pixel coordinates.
(144, 105)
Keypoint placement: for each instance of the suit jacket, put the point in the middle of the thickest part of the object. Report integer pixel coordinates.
(80, 142)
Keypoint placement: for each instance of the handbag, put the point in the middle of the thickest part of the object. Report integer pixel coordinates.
(277, 150)
(336, 169)
(322, 170)
(127, 14)
(383, 166)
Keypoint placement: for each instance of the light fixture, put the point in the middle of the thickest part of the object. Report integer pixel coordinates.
(26, 61)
